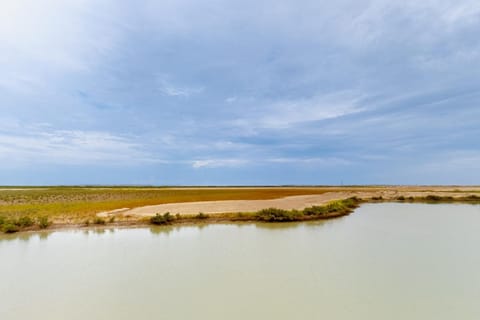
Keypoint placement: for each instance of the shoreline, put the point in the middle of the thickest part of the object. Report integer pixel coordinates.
(188, 222)
(245, 217)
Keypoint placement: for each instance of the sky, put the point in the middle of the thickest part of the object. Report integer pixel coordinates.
(227, 92)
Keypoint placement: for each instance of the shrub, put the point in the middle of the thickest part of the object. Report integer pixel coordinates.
(201, 215)
(9, 227)
(43, 222)
(471, 197)
(432, 197)
(2, 220)
(24, 222)
(351, 202)
(315, 211)
(98, 220)
(401, 198)
(278, 215)
(112, 219)
(159, 219)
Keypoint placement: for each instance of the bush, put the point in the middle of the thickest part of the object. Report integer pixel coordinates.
(278, 215)
(315, 211)
(201, 215)
(9, 227)
(24, 222)
(432, 197)
(112, 219)
(469, 198)
(43, 222)
(401, 198)
(159, 219)
(2, 220)
(98, 220)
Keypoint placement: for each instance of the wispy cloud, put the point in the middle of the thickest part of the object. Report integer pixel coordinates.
(43, 145)
(168, 88)
(217, 163)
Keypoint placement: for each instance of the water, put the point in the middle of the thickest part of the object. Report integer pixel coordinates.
(385, 261)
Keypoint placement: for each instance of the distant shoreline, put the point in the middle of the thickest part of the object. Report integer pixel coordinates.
(239, 211)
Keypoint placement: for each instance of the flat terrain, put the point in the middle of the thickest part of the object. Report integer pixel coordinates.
(79, 204)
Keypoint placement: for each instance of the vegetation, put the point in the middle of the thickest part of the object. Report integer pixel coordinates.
(201, 215)
(77, 204)
(446, 199)
(39, 207)
(278, 215)
(43, 222)
(24, 222)
(159, 219)
(334, 208)
(10, 227)
(99, 220)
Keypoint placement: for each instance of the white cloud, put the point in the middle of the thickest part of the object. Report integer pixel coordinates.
(291, 113)
(168, 88)
(216, 163)
(43, 145)
(326, 161)
(42, 40)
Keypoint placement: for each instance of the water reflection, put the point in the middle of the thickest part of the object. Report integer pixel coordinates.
(25, 236)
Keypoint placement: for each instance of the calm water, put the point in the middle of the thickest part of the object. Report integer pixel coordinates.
(385, 261)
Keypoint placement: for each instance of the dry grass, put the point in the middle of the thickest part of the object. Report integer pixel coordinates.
(79, 204)
(76, 204)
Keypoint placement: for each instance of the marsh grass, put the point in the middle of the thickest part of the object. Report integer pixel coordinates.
(78, 204)
(99, 221)
(159, 219)
(447, 199)
(333, 208)
(43, 222)
(201, 216)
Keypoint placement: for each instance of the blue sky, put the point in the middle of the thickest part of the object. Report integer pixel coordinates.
(240, 92)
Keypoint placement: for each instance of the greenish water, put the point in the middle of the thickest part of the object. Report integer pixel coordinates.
(385, 261)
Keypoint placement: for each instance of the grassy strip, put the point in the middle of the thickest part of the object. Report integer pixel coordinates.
(9, 225)
(437, 199)
(74, 205)
(330, 210)
(334, 208)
